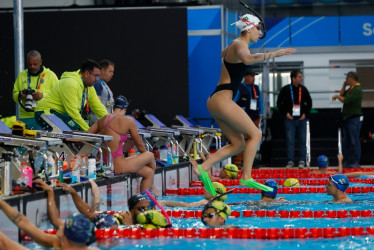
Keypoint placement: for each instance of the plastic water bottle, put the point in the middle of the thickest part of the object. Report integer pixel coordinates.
(26, 174)
(75, 175)
(169, 159)
(163, 153)
(175, 154)
(131, 152)
(51, 165)
(84, 170)
(78, 165)
(6, 174)
(60, 166)
(91, 168)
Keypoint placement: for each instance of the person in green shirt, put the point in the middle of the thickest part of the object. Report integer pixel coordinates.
(36, 80)
(72, 98)
(352, 119)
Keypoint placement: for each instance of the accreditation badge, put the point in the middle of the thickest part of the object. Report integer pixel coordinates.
(296, 110)
(109, 104)
(253, 105)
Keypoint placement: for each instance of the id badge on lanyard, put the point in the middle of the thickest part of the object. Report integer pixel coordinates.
(296, 110)
(253, 105)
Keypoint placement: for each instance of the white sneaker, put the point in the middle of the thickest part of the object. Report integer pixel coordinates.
(289, 164)
(301, 164)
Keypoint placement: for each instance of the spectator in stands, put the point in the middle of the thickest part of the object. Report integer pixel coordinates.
(104, 93)
(352, 119)
(75, 233)
(294, 104)
(38, 81)
(118, 125)
(337, 186)
(234, 121)
(72, 98)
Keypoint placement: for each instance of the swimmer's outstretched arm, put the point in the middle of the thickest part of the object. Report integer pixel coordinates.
(8, 244)
(183, 204)
(53, 213)
(21, 221)
(81, 205)
(95, 205)
(353, 174)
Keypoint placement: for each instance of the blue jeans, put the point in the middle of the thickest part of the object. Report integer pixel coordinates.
(292, 128)
(351, 139)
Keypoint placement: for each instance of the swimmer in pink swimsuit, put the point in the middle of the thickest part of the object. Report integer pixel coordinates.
(118, 125)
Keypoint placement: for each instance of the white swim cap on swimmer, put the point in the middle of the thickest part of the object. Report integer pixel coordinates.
(246, 22)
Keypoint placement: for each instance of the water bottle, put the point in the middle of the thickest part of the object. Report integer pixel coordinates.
(169, 159)
(91, 168)
(60, 166)
(26, 175)
(75, 177)
(175, 154)
(6, 174)
(163, 153)
(78, 166)
(84, 170)
(51, 165)
(131, 152)
(156, 153)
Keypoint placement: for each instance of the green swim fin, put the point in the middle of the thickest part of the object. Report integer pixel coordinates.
(254, 184)
(206, 181)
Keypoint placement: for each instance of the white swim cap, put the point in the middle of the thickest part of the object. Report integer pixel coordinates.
(246, 22)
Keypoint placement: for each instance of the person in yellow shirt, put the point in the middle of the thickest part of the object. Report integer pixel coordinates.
(36, 81)
(72, 98)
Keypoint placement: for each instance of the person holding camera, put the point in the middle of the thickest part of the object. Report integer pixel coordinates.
(32, 85)
(73, 98)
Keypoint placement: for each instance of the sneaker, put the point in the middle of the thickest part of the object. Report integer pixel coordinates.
(289, 164)
(301, 164)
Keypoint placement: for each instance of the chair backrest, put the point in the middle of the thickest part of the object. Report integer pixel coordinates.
(57, 122)
(184, 121)
(153, 119)
(4, 129)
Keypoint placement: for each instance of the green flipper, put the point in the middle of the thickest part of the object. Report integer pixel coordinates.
(206, 181)
(254, 184)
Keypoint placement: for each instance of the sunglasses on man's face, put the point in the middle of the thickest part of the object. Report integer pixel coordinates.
(144, 208)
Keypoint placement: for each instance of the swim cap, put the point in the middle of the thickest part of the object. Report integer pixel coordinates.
(231, 170)
(340, 181)
(121, 102)
(78, 228)
(291, 182)
(152, 219)
(221, 208)
(323, 161)
(273, 184)
(246, 22)
(104, 220)
(151, 202)
(135, 199)
(220, 189)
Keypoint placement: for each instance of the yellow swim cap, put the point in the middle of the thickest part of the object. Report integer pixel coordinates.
(220, 189)
(231, 170)
(291, 182)
(221, 208)
(152, 219)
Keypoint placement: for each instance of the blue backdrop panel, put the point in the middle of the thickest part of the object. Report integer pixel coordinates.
(278, 33)
(314, 31)
(232, 18)
(204, 68)
(204, 19)
(357, 30)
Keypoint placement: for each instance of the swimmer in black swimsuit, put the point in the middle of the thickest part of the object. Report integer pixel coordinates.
(233, 120)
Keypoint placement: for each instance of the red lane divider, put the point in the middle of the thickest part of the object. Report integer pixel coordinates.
(274, 213)
(282, 190)
(235, 233)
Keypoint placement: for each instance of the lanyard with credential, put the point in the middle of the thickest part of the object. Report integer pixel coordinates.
(107, 89)
(351, 88)
(85, 96)
(293, 102)
(37, 82)
(254, 91)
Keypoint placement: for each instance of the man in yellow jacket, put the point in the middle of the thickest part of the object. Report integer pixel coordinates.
(32, 85)
(72, 98)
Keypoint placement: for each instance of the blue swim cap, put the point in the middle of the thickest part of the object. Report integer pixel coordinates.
(340, 181)
(323, 161)
(78, 228)
(104, 220)
(121, 102)
(273, 184)
(151, 202)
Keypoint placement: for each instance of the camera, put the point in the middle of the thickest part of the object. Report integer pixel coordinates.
(29, 103)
